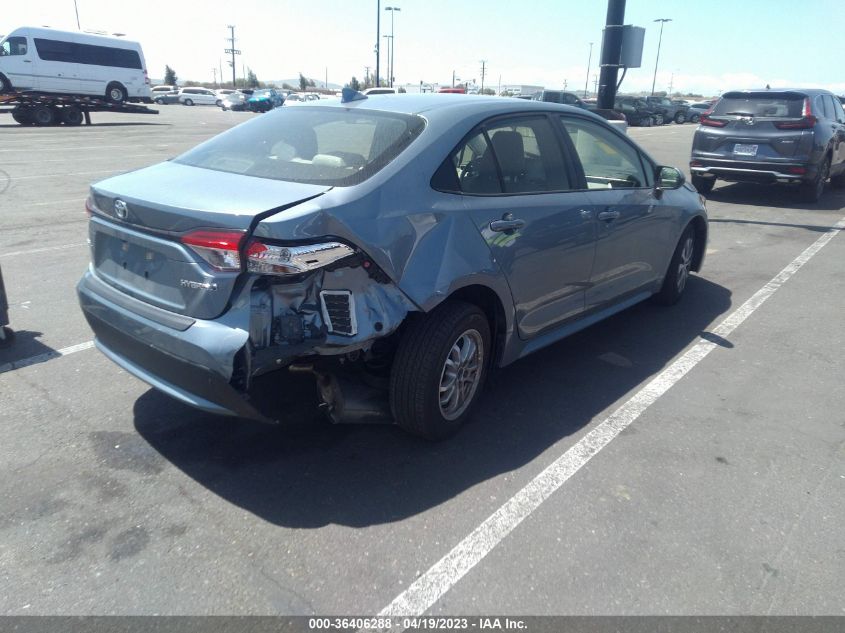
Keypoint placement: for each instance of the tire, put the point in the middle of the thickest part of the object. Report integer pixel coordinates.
(419, 380)
(5, 85)
(72, 116)
(704, 185)
(647, 122)
(694, 118)
(218, 103)
(658, 119)
(116, 93)
(159, 101)
(24, 117)
(43, 115)
(676, 277)
(188, 102)
(680, 118)
(812, 191)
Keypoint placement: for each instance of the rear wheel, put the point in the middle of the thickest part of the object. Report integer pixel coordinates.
(116, 93)
(188, 102)
(72, 116)
(704, 185)
(813, 190)
(647, 122)
(5, 85)
(694, 118)
(658, 119)
(679, 270)
(680, 118)
(439, 369)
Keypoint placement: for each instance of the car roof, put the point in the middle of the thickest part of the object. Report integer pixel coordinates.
(445, 104)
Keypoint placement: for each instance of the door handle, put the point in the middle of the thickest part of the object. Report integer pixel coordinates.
(506, 224)
(608, 215)
(26, 61)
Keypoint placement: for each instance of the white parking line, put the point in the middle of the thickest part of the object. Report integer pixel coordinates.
(44, 250)
(40, 358)
(445, 573)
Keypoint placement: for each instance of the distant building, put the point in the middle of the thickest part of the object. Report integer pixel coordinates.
(521, 89)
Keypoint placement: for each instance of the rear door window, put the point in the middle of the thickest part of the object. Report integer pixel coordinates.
(529, 156)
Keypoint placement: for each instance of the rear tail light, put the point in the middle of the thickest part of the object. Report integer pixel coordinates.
(219, 248)
(807, 120)
(797, 170)
(706, 120)
(270, 259)
(146, 77)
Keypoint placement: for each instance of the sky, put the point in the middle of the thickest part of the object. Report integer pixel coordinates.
(706, 48)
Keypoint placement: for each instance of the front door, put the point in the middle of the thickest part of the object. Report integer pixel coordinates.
(537, 228)
(633, 225)
(19, 63)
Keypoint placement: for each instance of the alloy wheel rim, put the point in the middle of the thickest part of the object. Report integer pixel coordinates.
(461, 374)
(685, 264)
(822, 178)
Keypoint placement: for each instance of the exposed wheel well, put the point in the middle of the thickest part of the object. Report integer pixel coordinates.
(489, 302)
(5, 84)
(700, 227)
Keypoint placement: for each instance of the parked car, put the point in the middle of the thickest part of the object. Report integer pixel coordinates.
(236, 101)
(165, 95)
(290, 244)
(70, 62)
(637, 111)
(265, 100)
(198, 96)
(668, 109)
(559, 96)
(696, 110)
(772, 136)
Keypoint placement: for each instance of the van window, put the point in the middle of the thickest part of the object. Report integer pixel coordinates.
(13, 46)
(92, 55)
(54, 50)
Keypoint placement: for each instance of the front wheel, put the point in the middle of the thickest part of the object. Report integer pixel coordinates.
(439, 369)
(188, 102)
(680, 118)
(694, 118)
(679, 270)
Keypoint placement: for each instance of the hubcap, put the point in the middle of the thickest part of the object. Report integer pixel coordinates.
(685, 264)
(116, 94)
(461, 374)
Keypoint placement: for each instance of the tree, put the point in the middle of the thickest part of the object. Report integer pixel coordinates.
(354, 84)
(303, 82)
(170, 77)
(489, 91)
(287, 86)
(252, 79)
(401, 90)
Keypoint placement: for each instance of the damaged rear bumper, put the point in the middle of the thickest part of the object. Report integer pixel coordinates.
(192, 361)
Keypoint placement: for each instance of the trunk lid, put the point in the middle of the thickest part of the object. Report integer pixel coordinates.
(141, 217)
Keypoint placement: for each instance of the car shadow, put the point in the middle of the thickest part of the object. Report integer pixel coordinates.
(808, 227)
(777, 196)
(25, 349)
(307, 473)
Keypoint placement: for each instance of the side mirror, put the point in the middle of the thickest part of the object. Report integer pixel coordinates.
(667, 178)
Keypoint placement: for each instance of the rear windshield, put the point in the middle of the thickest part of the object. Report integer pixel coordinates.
(321, 146)
(761, 105)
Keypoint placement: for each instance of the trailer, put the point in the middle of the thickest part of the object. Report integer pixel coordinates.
(43, 108)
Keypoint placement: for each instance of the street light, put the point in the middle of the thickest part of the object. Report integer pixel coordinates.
(589, 59)
(389, 39)
(390, 50)
(656, 61)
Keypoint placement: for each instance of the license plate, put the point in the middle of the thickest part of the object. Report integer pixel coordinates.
(745, 150)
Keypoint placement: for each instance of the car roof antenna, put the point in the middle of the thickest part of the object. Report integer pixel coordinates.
(348, 94)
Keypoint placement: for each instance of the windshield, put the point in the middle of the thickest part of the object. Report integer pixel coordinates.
(761, 105)
(328, 146)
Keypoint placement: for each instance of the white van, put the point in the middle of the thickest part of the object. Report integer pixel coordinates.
(67, 62)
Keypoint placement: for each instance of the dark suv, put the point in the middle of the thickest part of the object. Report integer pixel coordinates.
(768, 136)
(637, 111)
(671, 111)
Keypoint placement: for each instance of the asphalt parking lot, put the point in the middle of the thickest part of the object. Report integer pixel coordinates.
(720, 491)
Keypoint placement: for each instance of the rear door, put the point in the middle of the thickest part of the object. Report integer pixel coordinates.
(634, 228)
(836, 119)
(518, 191)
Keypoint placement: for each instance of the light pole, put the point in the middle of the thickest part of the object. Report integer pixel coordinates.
(378, 40)
(589, 59)
(75, 8)
(392, 44)
(389, 39)
(659, 41)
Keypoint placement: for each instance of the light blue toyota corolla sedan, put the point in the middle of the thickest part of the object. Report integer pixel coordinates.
(395, 247)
